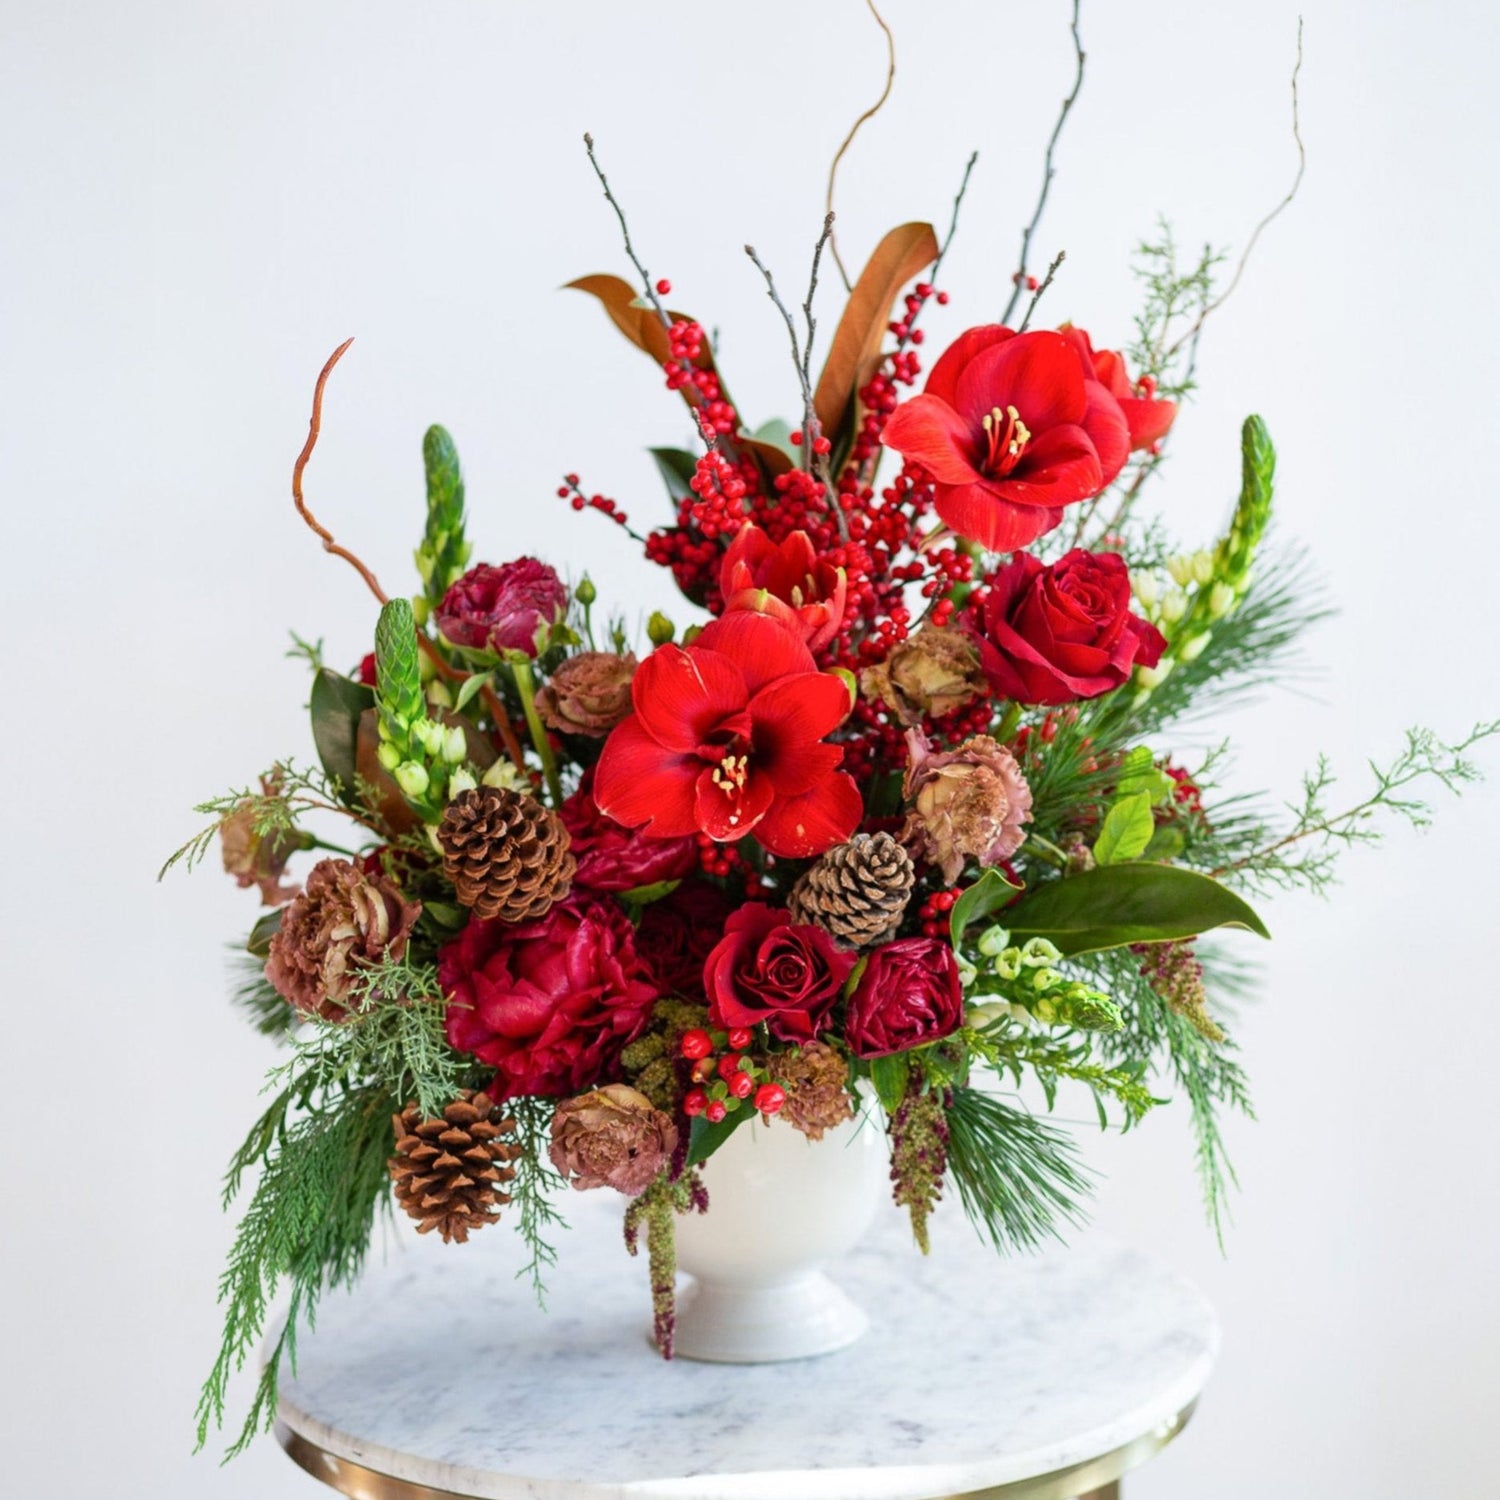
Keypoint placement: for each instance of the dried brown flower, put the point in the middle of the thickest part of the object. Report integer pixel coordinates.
(969, 803)
(588, 694)
(611, 1137)
(815, 1079)
(345, 920)
(255, 858)
(927, 675)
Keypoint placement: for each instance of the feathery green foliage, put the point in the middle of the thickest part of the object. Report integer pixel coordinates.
(1018, 1178)
(264, 1005)
(532, 1190)
(275, 812)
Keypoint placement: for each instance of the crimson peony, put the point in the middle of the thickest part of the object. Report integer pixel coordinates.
(767, 969)
(1058, 632)
(727, 739)
(1011, 430)
(549, 1004)
(908, 995)
(509, 608)
(677, 933)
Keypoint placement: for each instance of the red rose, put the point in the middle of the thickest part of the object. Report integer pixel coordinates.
(909, 994)
(678, 933)
(1011, 428)
(727, 738)
(786, 580)
(1147, 417)
(768, 969)
(612, 857)
(1061, 632)
(548, 1004)
(505, 608)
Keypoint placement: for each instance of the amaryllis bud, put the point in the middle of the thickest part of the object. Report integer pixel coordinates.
(930, 674)
(588, 694)
(612, 1137)
(969, 803)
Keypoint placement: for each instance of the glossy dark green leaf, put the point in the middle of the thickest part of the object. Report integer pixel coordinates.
(989, 893)
(259, 941)
(337, 702)
(890, 1076)
(1128, 903)
(676, 468)
(704, 1138)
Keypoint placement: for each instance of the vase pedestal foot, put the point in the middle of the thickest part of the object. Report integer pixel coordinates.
(725, 1323)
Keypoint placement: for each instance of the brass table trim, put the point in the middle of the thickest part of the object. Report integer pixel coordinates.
(1077, 1480)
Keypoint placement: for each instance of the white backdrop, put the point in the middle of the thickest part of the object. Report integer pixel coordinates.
(197, 202)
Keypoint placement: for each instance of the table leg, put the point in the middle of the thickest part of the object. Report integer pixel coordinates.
(1107, 1492)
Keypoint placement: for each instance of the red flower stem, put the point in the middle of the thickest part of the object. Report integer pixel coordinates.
(314, 426)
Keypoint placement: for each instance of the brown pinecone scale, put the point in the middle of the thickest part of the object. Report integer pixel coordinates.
(450, 1170)
(858, 891)
(506, 854)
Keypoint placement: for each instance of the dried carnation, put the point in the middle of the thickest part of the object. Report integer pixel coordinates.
(259, 858)
(928, 675)
(969, 803)
(611, 1137)
(815, 1079)
(345, 920)
(588, 694)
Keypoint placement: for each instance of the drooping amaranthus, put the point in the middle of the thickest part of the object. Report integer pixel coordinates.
(919, 1157)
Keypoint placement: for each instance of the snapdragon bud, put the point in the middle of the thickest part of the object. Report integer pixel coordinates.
(455, 745)
(993, 941)
(412, 778)
(1174, 606)
(1189, 650)
(388, 755)
(504, 775)
(439, 694)
(1220, 601)
(1039, 951)
(428, 733)
(461, 781)
(1203, 568)
(1181, 569)
(1150, 678)
(1147, 588)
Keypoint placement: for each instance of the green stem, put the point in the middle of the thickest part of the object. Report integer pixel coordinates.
(1047, 850)
(527, 692)
(316, 843)
(1009, 722)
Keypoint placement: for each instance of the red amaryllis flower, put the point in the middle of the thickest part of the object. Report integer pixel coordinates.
(1011, 430)
(909, 994)
(1147, 417)
(503, 609)
(1061, 632)
(769, 969)
(727, 739)
(612, 857)
(549, 1004)
(788, 581)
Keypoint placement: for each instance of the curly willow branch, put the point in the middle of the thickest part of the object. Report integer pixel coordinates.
(870, 113)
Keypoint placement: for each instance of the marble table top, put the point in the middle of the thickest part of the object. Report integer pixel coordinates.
(440, 1370)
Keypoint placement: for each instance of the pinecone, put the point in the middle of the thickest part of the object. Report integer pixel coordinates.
(449, 1171)
(858, 891)
(505, 853)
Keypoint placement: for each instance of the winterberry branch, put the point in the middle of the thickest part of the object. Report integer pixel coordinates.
(1049, 171)
(1036, 296)
(647, 285)
(870, 113)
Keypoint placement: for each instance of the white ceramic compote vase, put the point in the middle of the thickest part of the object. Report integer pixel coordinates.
(779, 1207)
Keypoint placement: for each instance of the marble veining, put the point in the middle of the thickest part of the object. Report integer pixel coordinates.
(440, 1368)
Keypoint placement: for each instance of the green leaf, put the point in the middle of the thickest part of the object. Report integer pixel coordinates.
(259, 941)
(1140, 773)
(337, 702)
(644, 895)
(471, 689)
(890, 1076)
(1166, 843)
(1128, 827)
(990, 892)
(676, 468)
(1129, 903)
(705, 1138)
(776, 433)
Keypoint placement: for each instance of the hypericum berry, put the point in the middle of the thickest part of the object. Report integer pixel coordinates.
(740, 1038)
(741, 1085)
(703, 1070)
(730, 1064)
(715, 1111)
(696, 1043)
(695, 1102)
(769, 1098)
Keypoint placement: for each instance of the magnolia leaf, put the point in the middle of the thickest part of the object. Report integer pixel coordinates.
(676, 468)
(890, 1075)
(776, 434)
(1116, 905)
(855, 350)
(990, 892)
(259, 941)
(705, 1137)
(1127, 830)
(471, 689)
(336, 704)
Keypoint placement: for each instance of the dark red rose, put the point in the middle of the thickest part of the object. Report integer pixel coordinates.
(768, 969)
(504, 608)
(612, 857)
(548, 1004)
(1148, 416)
(1056, 633)
(909, 994)
(1011, 427)
(677, 934)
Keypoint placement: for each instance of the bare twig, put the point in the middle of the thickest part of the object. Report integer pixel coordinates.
(1036, 296)
(1239, 270)
(874, 109)
(807, 307)
(1049, 171)
(648, 286)
(314, 426)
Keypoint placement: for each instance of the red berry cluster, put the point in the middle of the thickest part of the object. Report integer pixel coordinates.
(724, 1077)
(568, 490)
(934, 912)
(720, 860)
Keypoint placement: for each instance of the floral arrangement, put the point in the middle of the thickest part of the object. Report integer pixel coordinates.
(891, 814)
